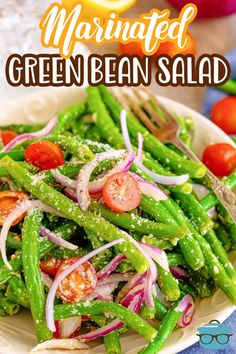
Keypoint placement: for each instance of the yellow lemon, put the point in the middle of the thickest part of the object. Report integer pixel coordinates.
(101, 8)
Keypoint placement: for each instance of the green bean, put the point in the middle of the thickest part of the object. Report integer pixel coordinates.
(186, 289)
(138, 224)
(167, 326)
(17, 155)
(29, 167)
(210, 200)
(164, 155)
(196, 212)
(224, 237)
(232, 231)
(185, 133)
(30, 259)
(70, 171)
(176, 259)
(112, 343)
(160, 309)
(16, 291)
(174, 215)
(6, 273)
(216, 270)
(22, 128)
(71, 210)
(168, 284)
(8, 307)
(188, 245)
(66, 118)
(153, 241)
(201, 284)
(102, 258)
(103, 122)
(128, 317)
(64, 253)
(221, 254)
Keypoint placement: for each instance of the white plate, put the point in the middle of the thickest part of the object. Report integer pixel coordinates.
(17, 333)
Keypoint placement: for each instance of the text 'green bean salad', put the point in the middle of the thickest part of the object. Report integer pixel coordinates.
(105, 229)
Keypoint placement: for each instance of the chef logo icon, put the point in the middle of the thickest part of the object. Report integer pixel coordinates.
(214, 335)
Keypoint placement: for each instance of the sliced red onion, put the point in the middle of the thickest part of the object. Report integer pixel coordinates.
(63, 180)
(67, 344)
(157, 255)
(200, 191)
(47, 280)
(134, 306)
(70, 193)
(82, 189)
(123, 164)
(186, 306)
(110, 267)
(161, 179)
(211, 212)
(69, 326)
(133, 282)
(152, 272)
(116, 277)
(179, 273)
(150, 189)
(139, 289)
(140, 147)
(17, 212)
(57, 239)
(63, 275)
(47, 130)
(102, 291)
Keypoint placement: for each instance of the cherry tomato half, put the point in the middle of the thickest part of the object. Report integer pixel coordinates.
(223, 114)
(220, 158)
(50, 266)
(8, 202)
(168, 48)
(79, 283)
(121, 192)
(7, 136)
(45, 155)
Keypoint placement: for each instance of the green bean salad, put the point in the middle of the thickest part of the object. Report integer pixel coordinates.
(105, 229)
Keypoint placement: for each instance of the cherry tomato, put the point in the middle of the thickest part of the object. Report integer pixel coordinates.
(7, 136)
(57, 334)
(51, 266)
(220, 158)
(45, 155)
(168, 48)
(79, 283)
(8, 202)
(223, 114)
(121, 192)
(132, 48)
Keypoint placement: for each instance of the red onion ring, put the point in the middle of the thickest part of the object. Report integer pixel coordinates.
(47, 130)
(57, 239)
(161, 179)
(157, 255)
(140, 147)
(179, 273)
(150, 189)
(186, 306)
(110, 267)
